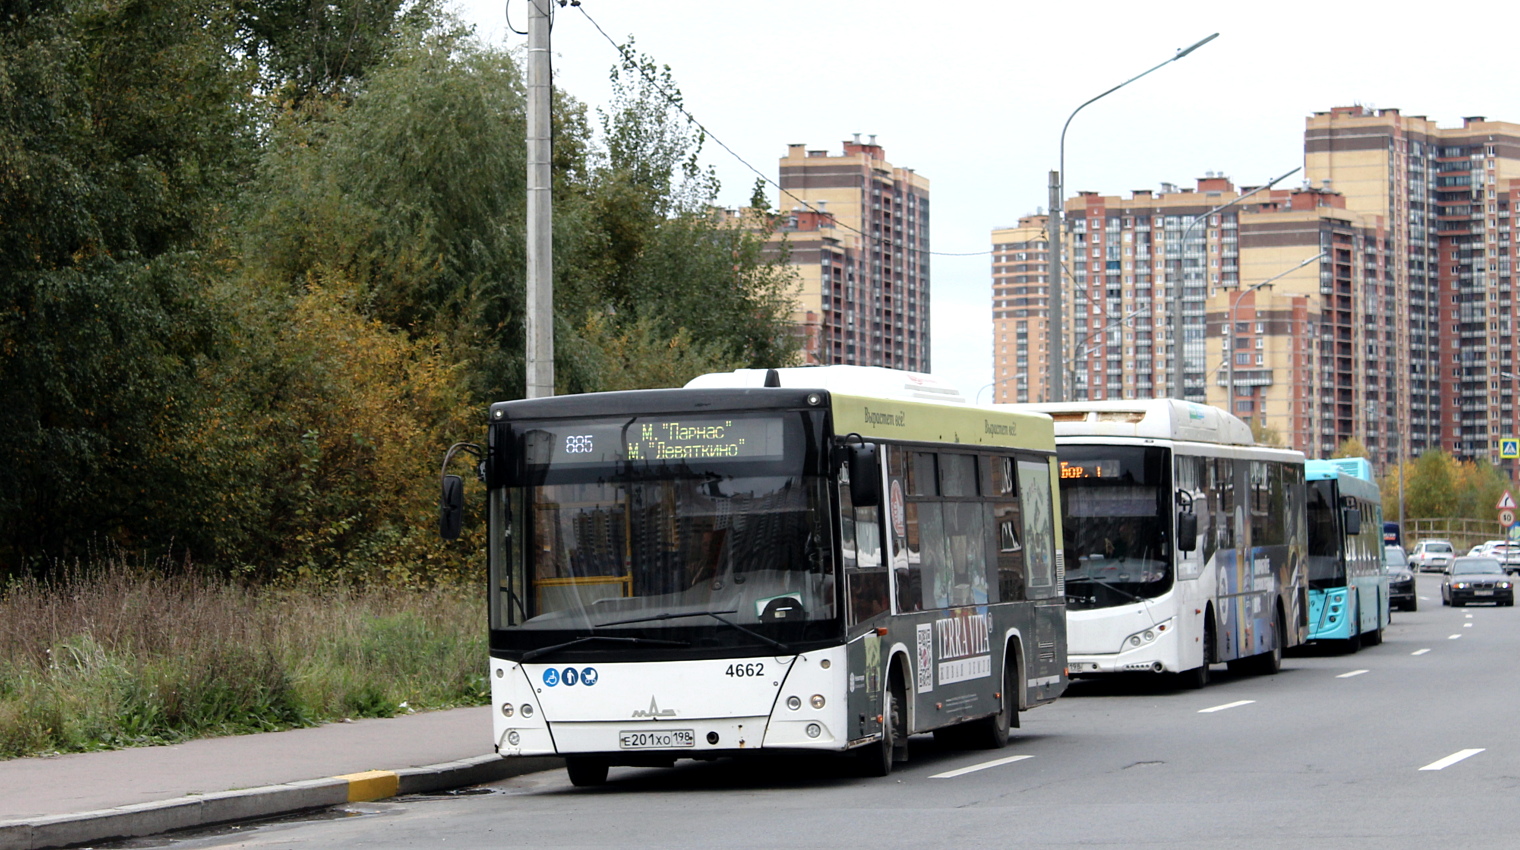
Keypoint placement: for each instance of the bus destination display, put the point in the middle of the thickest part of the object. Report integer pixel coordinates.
(1105, 468)
(663, 440)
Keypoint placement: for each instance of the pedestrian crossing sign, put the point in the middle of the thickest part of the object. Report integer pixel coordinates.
(1509, 448)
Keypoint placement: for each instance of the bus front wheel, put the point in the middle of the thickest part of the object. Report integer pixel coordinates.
(1198, 677)
(877, 759)
(586, 771)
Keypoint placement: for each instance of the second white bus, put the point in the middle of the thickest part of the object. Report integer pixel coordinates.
(1185, 542)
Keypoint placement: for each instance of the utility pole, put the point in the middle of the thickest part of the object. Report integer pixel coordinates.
(1057, 334)
(540, 284)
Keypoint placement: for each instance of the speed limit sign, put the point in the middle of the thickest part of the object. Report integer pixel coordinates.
(1506, 517)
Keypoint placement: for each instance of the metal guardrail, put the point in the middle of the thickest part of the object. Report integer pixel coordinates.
(1463, 533)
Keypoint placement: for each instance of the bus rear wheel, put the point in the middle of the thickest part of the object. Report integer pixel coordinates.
(991, 733)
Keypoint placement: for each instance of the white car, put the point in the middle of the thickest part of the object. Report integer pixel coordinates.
(1431, 556)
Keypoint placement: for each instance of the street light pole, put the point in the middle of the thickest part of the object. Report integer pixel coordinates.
(1055, 342)
(1177, 283)
(1229, 393)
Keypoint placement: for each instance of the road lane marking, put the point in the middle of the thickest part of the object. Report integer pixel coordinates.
(1452, 759)
(1352, 673)
(951, 774)
(1236, 704)
(1467, 625)
(1419, 652)
(1454, 637)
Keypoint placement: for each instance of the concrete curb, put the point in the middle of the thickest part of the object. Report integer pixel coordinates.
(267, 801)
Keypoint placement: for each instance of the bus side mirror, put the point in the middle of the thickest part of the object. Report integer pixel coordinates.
(1187, 531)
(451, 507)
(865, 475)
(1353, 521)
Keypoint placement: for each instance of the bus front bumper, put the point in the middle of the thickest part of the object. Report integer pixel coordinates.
(663, 710)
(1151, 650)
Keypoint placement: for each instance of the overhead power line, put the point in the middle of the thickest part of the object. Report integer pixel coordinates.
(673, 101)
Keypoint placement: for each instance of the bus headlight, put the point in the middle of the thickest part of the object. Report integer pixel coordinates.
(813, 730)
(513, 738)
(506, 709)
(1150, 635)
(793, 703)
(817, 701)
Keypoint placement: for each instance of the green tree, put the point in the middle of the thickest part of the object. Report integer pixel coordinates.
(1432, 489)
(307, 49)
(123, 129)
(1265, 434)
(1351, 447)
(653, 255)
(1479, 487)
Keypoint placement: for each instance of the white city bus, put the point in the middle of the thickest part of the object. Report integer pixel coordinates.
(818, 559)
(1185, 542)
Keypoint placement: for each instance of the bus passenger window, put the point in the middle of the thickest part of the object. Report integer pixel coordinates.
(910, 578)
(907, 568)
(1039, 547)
(961, 578)
(957, 476)
(1010, 557)
(934, 553)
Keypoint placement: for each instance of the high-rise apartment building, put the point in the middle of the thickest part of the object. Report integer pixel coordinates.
(1403, 333)
(856, 228)
(1445, 198)
(1020, 310)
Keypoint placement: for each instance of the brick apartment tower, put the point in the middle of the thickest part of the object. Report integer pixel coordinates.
(1446, 195)
(1292, 344)
(1020, 310)
(856, 228)
(1404, 335)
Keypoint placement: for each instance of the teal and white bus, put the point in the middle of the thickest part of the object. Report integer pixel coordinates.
(1348, 589)
(1184, 540)
(823, 559)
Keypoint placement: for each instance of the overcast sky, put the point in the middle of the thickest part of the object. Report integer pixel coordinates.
(973, 96)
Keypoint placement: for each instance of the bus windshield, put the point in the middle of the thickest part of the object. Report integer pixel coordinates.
(1113, 503)
(692, 526)
(1327, 567)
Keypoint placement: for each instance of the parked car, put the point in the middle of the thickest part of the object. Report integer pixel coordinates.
(1431, 556)
(1401, 593)
(1476, 579)
(1507, 553)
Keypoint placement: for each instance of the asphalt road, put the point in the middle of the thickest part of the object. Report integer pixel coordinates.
(1407, 744)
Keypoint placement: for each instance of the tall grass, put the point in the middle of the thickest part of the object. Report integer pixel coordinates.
(125, 655)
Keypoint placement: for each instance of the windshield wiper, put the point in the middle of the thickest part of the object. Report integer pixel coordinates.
(716, 615)
(1118, 590)
(545, 650)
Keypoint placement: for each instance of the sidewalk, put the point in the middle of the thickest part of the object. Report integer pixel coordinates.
(83, 797)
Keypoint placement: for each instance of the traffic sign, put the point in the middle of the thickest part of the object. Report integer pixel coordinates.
(1506, 518)
(1509, 448)
(1514, 534)
(1506, 502)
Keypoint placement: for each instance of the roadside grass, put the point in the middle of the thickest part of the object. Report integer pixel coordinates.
(127, 655)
